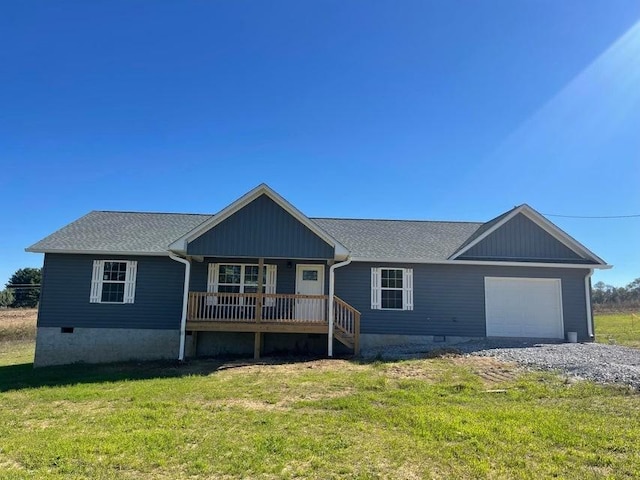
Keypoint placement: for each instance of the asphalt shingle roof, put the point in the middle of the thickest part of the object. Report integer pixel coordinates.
(121, 232)
(399, 239)
(129, 232)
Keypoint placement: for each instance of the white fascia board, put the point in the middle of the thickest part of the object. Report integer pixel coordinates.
(584, 266)
(99, 252)
(180, 245)
(543, 223)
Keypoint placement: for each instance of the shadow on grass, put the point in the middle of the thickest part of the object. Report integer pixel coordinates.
(24, 376)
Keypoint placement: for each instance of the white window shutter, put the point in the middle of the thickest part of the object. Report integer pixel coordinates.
(96, 281)
(270, 285)
(375, 289)
(407, 290)
(212, 283)
(130, 281)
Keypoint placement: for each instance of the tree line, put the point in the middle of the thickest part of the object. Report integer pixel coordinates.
(17, 292)
(610, 296)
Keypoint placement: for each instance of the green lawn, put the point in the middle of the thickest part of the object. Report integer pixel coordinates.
(436, 418)
(451, 417)
(618, 328)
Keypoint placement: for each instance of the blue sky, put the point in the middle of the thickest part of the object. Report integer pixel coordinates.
(454, 110)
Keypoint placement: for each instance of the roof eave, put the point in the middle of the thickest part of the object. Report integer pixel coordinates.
(97, 252)
(585, 266)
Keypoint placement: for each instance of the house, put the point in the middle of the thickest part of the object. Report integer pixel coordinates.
(260, 276)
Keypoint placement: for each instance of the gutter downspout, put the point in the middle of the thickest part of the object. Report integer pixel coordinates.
(185, 300)
(587, 294)
(331, 294)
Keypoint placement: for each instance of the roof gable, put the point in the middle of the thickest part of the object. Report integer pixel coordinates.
(269, 199)
(524, 234)
(262, 228)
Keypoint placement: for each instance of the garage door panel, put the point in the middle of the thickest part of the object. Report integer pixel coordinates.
(523, 307)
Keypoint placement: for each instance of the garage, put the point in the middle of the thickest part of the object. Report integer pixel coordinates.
(523, 307)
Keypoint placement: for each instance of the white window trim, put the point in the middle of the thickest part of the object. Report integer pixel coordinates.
(97, 281)
(270, 281)
(376, 288)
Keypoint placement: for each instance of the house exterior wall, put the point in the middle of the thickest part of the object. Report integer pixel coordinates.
(449, 299)
(285, 279)
(67, 284)
(261, 229)
(520, 238)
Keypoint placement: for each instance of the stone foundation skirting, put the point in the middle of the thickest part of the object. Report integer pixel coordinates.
(100, 345)
(371, 341)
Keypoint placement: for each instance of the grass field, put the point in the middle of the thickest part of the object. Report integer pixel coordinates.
(450, 417)
(621, 328)
(17, 336)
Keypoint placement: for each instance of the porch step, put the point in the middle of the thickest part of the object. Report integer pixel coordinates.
(344, 338)
(347, 324)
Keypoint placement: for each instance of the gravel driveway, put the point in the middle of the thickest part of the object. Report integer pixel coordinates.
(591, 361)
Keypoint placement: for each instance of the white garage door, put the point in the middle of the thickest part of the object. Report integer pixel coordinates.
(523, 307)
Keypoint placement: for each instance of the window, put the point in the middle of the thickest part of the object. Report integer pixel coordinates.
(311, 275)
(392, 288)
(113, 281)
(239, 278)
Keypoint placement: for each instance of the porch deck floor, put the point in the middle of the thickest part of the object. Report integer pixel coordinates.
(253, 326)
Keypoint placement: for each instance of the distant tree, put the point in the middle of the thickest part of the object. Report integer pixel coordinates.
(608, 295)
(598, 293)
(25, 296)
(6, 298)
(633, 290)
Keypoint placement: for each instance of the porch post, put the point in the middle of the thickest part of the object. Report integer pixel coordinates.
(257, 344)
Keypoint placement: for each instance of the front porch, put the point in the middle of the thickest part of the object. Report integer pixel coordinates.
(261, 313)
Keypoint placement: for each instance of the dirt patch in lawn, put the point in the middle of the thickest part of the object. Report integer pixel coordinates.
(490, 370)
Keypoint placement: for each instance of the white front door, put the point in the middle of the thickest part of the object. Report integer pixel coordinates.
(310, 281)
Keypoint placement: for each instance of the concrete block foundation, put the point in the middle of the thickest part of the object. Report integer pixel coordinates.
(370, 341)
(55, 346)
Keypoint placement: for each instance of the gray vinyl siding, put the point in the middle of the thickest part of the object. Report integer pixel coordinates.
(522, 239)
(261, 229)
(67, 285)
(285, 277)
(449, 299)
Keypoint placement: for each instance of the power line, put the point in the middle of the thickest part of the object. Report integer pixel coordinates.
(590, 216)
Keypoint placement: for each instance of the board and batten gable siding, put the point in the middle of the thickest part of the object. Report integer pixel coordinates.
(261, 229)
(449, 299)
(67, 285)
(285, 277)
(520, 238)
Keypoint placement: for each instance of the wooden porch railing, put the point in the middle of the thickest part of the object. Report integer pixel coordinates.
(295, 313)
(347, 324)
(242, 307)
